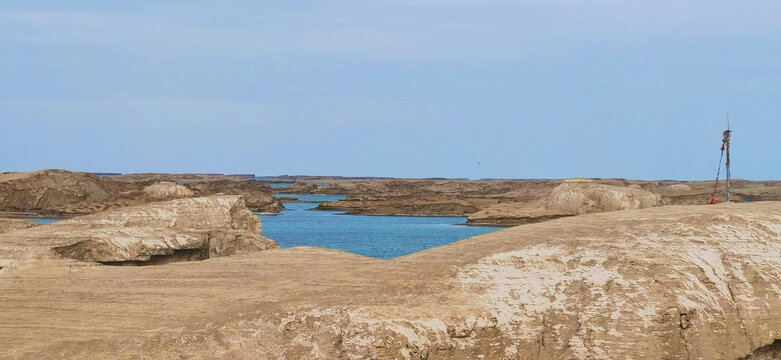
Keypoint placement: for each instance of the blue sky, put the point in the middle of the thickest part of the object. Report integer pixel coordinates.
(410, 88)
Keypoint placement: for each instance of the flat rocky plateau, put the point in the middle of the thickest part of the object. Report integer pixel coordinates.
(674, 282)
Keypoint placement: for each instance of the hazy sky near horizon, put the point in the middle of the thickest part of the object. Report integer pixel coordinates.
(408, 88)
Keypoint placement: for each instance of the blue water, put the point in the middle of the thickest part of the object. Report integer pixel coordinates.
(44, 221)
(382, 237)
(279, 185)
(313, 198)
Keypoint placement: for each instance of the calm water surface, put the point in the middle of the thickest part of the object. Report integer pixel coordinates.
(382, 237)
(44, 221)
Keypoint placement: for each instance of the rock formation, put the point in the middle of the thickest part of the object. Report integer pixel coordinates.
(675, 282)
(459, 197)
(177, 230)
(567, 199)
(385, 205)
(427, 197)
(587, 197)
(167, 190)
(256, 194)
(43, 189)
(764, 193)
(63, 193)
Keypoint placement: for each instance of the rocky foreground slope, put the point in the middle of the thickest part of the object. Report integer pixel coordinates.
(677, 282)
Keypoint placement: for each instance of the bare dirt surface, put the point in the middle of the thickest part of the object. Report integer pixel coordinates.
(675, 282)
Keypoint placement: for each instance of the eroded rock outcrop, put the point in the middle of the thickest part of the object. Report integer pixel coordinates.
(44, 189)
(167, 190)
(257, 195)
(429, 197)
(418, 206)
(587, 197)
(177, 230)
(567, 199)
(63, 193)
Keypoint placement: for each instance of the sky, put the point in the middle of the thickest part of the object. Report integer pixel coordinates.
(406, 88)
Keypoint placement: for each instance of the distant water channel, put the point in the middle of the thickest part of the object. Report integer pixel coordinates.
(382, 237)
(313, 198)
(44, 221)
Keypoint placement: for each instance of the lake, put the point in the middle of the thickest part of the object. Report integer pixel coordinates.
(382, 237)
(43, 221)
